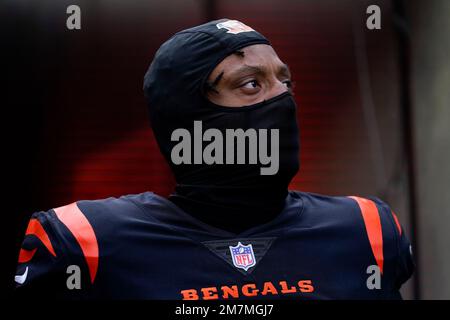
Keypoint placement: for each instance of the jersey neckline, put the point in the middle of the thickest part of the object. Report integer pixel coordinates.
(176, 218)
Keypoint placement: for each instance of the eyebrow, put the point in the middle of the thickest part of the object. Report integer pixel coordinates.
(258, 70)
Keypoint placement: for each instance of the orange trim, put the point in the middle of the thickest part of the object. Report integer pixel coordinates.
(36, 228)
(397, 223)
(79, 226)
(26, 255)
(372, 222)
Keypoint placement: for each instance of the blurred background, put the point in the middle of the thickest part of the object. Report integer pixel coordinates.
(374, 107)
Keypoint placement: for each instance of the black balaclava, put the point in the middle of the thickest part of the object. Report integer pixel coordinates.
(233, 197)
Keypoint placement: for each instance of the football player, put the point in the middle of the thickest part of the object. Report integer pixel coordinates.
(222, 111)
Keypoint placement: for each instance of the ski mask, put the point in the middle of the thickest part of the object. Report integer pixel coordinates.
(229, 195)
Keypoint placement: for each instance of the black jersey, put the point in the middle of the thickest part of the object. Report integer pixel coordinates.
(144, 247)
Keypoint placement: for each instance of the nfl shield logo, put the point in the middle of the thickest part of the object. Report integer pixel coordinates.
(243, 256)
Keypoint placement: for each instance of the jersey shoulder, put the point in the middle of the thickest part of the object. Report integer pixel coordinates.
(351, 210)
(365, 224)
(76, 234)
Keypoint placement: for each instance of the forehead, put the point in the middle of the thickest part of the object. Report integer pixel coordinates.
(254, 55)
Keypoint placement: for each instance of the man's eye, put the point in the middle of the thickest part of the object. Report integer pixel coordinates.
(250, 84)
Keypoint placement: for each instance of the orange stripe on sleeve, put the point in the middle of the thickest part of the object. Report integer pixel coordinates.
(72, 217)
(372, 222)
(26, 255)
(36, 228)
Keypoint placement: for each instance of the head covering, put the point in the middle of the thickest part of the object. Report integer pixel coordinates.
(175, 85)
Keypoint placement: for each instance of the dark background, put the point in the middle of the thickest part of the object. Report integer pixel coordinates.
(76, 120)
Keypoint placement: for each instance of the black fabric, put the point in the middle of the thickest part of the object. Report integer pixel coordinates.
(233, 197)
(150, 249)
